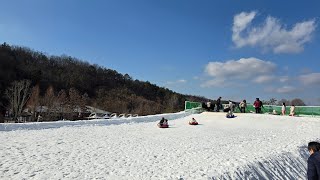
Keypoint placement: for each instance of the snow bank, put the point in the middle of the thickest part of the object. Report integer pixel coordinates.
(250, 146)
(58, 124)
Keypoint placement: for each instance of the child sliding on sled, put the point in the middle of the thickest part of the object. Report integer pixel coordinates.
(230, 114)
(193, 122)
(163, 123)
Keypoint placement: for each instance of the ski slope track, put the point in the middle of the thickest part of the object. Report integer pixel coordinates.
(250, 146)
(95, 122)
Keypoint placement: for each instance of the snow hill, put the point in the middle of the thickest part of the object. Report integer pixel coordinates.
(250, 146)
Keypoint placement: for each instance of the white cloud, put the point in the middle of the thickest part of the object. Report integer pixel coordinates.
(310, 79)
(241, 21)
(284, 79)
(240, 69)
(309, 82)
(225, 73)
(286, 89)
(180, 81)
(271, 34)
(216, 83)
(264, 79)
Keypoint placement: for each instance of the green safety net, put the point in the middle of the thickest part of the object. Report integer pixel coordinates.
(299, 110)
(191, 105)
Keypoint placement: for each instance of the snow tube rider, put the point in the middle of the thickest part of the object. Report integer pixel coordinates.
(193, 122)
(163, 123)
(230, 114)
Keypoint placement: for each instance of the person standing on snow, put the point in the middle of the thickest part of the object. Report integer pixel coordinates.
(218, 102)
(257, 105)
(231, 106)
(313, 171)
(208, 106)
(283, 109)
(261, 105)
(243, 106)
(292, 110)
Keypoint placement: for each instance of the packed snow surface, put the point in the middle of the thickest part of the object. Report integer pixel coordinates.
(250, 146)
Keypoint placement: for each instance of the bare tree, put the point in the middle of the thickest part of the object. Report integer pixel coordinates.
(34, 100)
(297, 102)
(75, 101)
(49, 101)
(273, 101)
(18, 95)
(287, 102)
(84, 101)
(172, 103)
(62, 101)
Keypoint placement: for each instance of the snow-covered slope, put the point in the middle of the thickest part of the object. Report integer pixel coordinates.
(58, 124)
(250, 146)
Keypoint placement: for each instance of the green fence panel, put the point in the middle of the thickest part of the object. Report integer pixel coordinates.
(299, 110)
(191, 105)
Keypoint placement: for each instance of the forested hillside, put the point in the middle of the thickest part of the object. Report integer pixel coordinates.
(62, 77)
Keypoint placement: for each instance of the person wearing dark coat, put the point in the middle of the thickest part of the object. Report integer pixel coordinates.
(313, 172)
(204, 105)
(212, 107)
(218, 103)
(163, 121)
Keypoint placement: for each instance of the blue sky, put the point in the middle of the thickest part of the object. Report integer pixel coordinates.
(234, 49)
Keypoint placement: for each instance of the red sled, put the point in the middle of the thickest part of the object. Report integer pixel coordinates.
(163, 126)
(193, 123)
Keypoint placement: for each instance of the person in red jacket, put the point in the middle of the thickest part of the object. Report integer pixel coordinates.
(257, 105)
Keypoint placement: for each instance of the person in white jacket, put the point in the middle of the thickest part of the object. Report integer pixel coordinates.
(193, 120)
(292, 110)
(243, 106)
(283, 109)
(231, 106)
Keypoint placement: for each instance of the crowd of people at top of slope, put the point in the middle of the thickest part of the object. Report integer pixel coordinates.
(230, 107)
(313, 171)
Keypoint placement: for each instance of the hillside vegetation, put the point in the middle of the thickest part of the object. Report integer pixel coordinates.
(66, 81)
